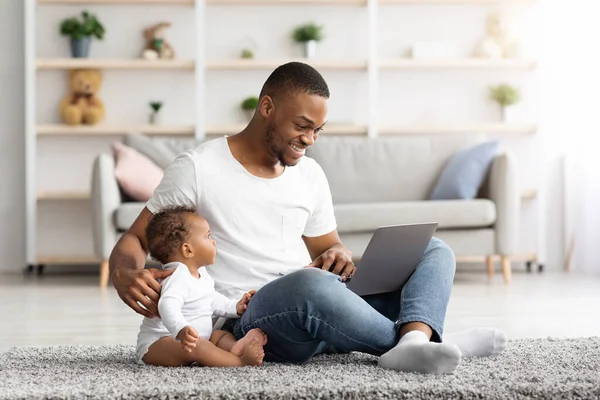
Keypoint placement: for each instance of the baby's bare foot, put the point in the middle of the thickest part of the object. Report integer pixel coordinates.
(253, 354)
(253, 334)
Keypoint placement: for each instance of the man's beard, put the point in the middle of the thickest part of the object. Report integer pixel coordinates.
(272, 146)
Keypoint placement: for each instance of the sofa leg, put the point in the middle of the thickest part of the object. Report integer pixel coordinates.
(490, 266)
(104, 272)
(506, 269)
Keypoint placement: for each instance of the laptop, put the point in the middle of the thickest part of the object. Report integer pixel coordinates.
(390, 258)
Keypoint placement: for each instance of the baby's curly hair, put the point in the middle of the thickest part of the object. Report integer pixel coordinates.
(167, 230)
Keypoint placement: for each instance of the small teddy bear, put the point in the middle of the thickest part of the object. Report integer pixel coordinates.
(156, 46)
(498, 43)
(82, 105)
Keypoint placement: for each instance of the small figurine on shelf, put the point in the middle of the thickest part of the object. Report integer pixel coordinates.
(82, 105)
(156, 106)
(156, 45)
(81, 33)
(499, 41)
(249, 106)
(506, 96)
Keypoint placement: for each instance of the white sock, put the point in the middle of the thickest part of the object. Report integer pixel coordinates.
(478, 342)
(415, 353)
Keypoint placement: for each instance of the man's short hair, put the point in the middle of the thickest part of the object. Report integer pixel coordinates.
(293, 78)
(167, 230)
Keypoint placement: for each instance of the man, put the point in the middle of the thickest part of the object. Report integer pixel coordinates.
(260, 195)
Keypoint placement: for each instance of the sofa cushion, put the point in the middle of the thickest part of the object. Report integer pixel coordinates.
(385, 169)
(126, 214)
(365, 217)
(463, 175)
(135, 173)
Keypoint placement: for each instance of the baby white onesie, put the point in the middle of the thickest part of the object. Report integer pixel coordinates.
(184, 300)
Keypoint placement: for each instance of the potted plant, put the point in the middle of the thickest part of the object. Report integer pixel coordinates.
(506, 96)
(249, 106)
(81, 32)
(155, 106)
(246, 54)
(308, 34)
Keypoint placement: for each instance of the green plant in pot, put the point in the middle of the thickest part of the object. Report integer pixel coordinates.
(308, 34)
(249, 105)
(506, 96)
(81, 32)
(155, 106)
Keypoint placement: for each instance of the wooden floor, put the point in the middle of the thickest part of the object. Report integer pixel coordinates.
(66, 309)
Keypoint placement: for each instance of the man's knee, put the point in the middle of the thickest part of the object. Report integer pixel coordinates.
(439, 249)
(312, 281)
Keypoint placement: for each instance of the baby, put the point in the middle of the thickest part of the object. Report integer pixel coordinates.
(180, 239)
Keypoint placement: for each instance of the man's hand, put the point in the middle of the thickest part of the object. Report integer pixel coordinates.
(188, 338)
(337, 256)
(242, 305)
(141, 286)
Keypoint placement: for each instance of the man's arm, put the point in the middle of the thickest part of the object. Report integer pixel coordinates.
(134, 283)
(327, 251)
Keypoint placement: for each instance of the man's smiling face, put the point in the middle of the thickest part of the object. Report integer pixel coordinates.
(294, 125)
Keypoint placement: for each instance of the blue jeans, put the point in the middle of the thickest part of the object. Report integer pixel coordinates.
(311, 311)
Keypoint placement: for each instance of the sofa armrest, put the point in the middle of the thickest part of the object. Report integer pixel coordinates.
(503, 190)
(106, 199)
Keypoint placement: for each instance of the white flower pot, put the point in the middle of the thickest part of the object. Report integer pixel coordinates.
(310, 49)
(507, 114)
(249, 114)
(154, 118)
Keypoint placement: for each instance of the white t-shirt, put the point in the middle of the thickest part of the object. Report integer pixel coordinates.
(257, 223)
(185, 300)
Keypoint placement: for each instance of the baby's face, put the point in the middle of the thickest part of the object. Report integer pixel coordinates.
(203, 244)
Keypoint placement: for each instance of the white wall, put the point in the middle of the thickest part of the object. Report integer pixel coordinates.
(12, 144)
(404, 97)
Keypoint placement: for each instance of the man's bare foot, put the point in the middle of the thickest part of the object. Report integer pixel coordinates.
(253, 354)
(253, 334)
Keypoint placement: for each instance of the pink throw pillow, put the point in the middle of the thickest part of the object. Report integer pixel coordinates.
(136, 174)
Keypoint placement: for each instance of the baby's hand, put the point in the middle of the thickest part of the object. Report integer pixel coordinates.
(188, 338)
(242, 305)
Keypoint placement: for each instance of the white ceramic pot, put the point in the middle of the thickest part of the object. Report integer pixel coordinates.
(507, 114)
(310, 48)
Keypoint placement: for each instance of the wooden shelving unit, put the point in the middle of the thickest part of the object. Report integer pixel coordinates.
(467, 63)
(238, 64)
(199, 66)
(124, 64)
(67, 259)
(519, 129)
(111, 130)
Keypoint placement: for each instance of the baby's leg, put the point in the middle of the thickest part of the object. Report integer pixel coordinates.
(167, 352)
(223, 340)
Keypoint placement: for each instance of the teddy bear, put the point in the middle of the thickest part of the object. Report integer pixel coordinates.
(156, 46)
(82, 105)
(498, 42)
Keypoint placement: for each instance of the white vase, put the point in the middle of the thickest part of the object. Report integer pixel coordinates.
(154, 118)
(249, 114)
(310, 48)
(507, 114)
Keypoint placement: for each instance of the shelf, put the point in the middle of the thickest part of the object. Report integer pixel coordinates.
(109, 130)
(106, 63)
(333, 129)
(515, 257)
(522, 129)
(287, 2)
(123, 2)
(466, 63)
(63, 195)
(67, 260)
(241, 64)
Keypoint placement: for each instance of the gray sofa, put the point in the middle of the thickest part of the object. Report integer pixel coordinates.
(374, 182)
